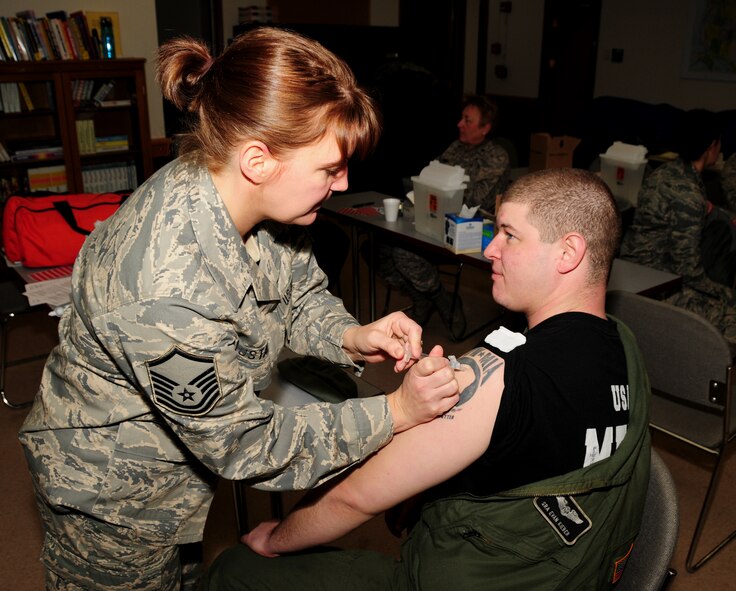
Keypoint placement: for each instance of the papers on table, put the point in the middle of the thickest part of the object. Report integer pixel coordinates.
(54, 292)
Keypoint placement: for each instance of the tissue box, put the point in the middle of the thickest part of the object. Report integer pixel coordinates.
(546, 151)
(463, 235)
(488, 232)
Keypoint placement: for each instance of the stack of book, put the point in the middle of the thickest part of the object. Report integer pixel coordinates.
(86, 136)
(111, 143)
(10, 97)
(58, 35)
(118, 176)
(15, 98)
(43, 152)
(47, 178)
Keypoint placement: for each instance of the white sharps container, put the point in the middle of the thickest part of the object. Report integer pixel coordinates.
(622, 168)
(438, 190)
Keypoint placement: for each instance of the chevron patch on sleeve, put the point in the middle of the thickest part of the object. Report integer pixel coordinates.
(184, 383)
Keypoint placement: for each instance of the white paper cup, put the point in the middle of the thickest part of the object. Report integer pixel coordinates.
(391, 209)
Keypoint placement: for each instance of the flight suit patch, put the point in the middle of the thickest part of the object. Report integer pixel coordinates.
(565, 516)
(184, 383)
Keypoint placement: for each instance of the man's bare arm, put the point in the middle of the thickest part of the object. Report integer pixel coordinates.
(413, 461)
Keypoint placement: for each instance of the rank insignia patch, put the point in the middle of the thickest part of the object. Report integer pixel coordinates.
(565, 516)
(184, 383)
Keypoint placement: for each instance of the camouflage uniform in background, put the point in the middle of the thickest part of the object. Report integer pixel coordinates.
(151, 395)
(488, 167)
(667, 234)
(728, 182)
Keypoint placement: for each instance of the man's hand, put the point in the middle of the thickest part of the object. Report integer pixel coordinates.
(395, 336)
(259, 537)
(428, 390)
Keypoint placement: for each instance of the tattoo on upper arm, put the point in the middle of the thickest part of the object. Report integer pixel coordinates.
(483, 364)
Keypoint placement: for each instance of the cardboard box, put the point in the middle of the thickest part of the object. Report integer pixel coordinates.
(463, 235)
(546, 151)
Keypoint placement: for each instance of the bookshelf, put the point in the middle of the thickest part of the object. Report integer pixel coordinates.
(84, 123)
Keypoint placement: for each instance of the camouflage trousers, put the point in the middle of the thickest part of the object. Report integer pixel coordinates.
(402, 268)
(721, 314)
(82, 553)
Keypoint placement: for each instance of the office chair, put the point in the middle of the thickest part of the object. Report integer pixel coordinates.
(692, 377)
(12, 303)
(648, 567)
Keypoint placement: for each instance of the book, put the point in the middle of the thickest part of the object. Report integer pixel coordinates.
(26, 97)
(77, 39)
(114, 103)
(26, 21)
(103, 92)
(48, 38)
(8, 42)
(93, 48)
(21, 43)
(59, 39)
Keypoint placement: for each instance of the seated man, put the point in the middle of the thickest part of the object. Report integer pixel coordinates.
(487, 165)
(537, 478)
(669, 227)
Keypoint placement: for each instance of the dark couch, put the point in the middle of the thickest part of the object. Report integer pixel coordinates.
(635, 122)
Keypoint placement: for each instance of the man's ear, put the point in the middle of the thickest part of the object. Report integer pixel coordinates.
(574, 248)
(256, 162)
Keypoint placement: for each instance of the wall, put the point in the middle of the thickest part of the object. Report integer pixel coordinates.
(653, 35)
(383, 13)
(138, 37)
(520, 35)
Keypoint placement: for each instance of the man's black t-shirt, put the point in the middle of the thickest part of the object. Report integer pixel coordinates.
(564, 406)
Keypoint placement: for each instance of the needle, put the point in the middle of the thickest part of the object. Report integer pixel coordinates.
(454, 363)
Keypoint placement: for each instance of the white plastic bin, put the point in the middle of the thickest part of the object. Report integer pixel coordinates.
(622, 169)
(438, 190)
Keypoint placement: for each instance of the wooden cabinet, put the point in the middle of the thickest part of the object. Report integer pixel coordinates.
(57, 135)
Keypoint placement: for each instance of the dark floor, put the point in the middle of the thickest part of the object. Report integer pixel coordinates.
(21, 537)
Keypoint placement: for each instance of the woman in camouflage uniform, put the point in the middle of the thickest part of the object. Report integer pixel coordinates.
(181, 304)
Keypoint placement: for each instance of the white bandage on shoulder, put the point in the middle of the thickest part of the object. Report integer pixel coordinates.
(505, 340)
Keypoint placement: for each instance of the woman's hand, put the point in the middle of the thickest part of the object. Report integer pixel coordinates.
(259, 537)
(429, 389)
(395, 336)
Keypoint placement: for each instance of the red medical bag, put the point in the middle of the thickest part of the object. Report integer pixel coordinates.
(49, 231)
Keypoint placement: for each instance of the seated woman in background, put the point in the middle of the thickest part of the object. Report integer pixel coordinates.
(487, 165)
(670, 224)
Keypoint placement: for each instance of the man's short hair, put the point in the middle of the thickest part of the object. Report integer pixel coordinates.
(563, 200)
(487, 108)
